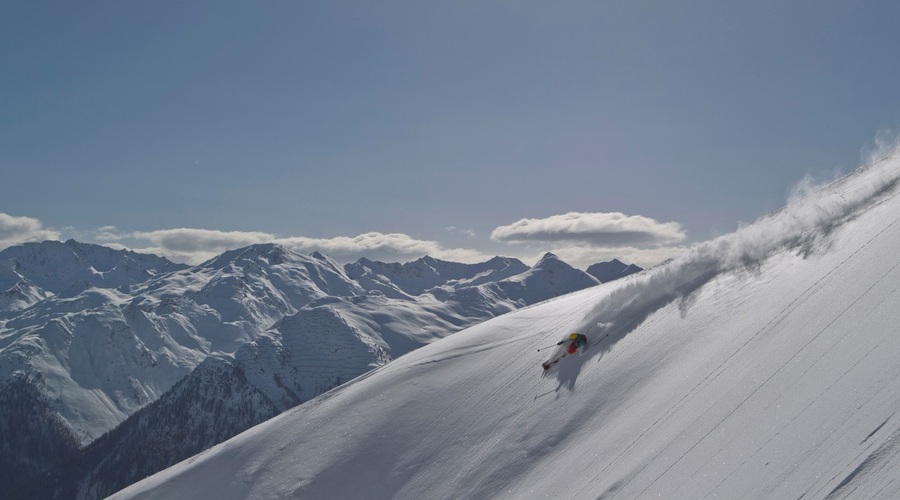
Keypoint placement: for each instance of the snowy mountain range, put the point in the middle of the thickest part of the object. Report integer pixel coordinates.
(133, 362)
(761, 364)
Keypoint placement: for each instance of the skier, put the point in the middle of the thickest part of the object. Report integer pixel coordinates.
(577, 340)
(574, 340)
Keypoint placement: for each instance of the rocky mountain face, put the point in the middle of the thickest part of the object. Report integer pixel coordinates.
(134, 363)
(37, 449)
(214, 403)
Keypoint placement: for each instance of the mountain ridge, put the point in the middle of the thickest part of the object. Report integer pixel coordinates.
(93, 329)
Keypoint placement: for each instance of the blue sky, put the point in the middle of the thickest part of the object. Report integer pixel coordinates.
(463, 130)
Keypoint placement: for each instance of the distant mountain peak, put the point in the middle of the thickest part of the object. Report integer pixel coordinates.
(250, 252)
(54, 266)
(612, 270)
(550, 260)
(428, 273)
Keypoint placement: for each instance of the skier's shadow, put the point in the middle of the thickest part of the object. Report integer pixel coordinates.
(607, 335)
(568, 371)
(570, 367)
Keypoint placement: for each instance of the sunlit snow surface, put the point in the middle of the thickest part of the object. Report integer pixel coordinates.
(763, 364)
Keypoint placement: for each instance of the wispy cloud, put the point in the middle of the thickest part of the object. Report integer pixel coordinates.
(195, 245)
(192, 245)
(468, 233)
(208, 240)
(389, 247)
(608, 229)
(189, 245)
(585, 238)
(15, 230)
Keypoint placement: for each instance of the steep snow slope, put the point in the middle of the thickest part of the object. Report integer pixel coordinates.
(92, 356)
(760, 364)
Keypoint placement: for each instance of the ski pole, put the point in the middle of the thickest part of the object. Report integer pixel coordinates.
(548, 347)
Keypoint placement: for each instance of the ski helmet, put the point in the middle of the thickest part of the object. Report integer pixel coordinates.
(574, 336)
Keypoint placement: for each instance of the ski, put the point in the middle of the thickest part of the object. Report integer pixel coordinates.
(562, 353)
(548, 364)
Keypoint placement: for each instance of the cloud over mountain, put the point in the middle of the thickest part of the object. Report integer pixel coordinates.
(192, 240)
(15, 230)
(194, 245)
(345, 247)
(611, 229)
(581, 238)
(584, 237)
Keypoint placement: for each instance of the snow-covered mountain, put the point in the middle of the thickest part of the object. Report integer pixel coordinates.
(417, 277)
(324, 344)
(99, 354)
(94, 335)
(762, 364)
(612, 270)
(33, 271)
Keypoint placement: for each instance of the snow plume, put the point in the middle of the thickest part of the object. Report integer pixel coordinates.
(804, 225)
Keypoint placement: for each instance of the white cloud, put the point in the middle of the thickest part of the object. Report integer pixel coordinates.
(15, 230)
(387, 247)
(197, 245)
(582, 239)
(205, 240)
(612, 229)
(374, 245)
(468, 233)
(191, 245)
(106, 233)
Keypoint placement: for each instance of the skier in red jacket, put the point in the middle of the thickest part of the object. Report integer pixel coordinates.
(576, 340)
